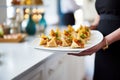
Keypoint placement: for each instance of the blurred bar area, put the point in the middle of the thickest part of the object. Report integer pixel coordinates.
(18, 14)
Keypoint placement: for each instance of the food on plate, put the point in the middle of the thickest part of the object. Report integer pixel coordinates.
(56, 33)
(44, 39)
(52, 43)
(64, 43)
(57, 36)
(84, 33)
(67, 38)
(68, 35)
(78, 43)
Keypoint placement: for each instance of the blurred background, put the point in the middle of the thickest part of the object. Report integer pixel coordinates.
(19, 11)
(39, 16)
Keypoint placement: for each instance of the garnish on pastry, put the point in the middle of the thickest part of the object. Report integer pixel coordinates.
(77, 43)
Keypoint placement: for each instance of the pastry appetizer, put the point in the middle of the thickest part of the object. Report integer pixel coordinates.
(56, 33)
(77, 43)
(57, 36)
(84, 33)
(43, 39)
(64, 43)
(67, 36)
(52, 42)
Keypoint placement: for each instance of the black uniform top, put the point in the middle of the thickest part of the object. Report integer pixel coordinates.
(108, 7)
(108, 10)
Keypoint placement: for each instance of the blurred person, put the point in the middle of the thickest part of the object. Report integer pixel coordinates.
(66, 9)
(107, 57)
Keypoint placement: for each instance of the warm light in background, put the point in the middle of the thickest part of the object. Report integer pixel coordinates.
(27, 10)
(26, 16)
(34, 10)
(18, 10)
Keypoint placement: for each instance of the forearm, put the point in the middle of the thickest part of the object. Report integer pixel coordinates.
(114, 36)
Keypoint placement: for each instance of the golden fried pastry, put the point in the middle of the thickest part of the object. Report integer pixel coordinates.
(43, 39)
(59, 41)
(77, 43)
(67, 38)
(70, 28)
(52, 42)
(64, 43)
(84, 33)
(52, 33)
